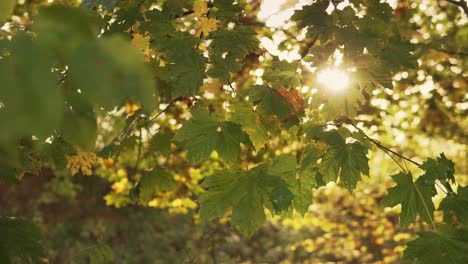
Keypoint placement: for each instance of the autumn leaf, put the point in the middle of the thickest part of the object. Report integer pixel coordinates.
(295, 100)
(142, 44)
(200, 8)
(205, 26)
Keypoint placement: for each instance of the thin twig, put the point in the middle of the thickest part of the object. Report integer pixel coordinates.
(382, 147)
(140, 145)
(309, 45)
(164, 110)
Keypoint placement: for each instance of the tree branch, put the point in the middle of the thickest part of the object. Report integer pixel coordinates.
(382, 147)
(462, 3)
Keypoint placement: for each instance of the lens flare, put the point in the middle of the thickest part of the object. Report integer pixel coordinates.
(333, 79)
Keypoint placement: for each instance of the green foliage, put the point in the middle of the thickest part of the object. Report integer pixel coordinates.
(6, 8)
(99, 254)
(449, 245)
(120, 78)
(282, 74)
(249, 120)
(20, 240)
(414, 197)
(301, 178)
(157, 180)
(270, 101)
(205, 132)
(27, 82)
(343, 160)
(454, 206)
(121, 73)
(228, 48)
(247, 193)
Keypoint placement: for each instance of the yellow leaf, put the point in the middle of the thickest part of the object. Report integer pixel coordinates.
(205, 26)
(200, 8)
(82, 161)
(131, 108)
(141, 42)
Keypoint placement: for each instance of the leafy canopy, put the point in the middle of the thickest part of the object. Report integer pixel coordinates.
(190, 92)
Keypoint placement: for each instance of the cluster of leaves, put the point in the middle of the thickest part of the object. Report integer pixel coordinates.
(118, 78)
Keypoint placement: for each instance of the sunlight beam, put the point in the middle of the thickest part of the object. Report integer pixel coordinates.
(333, 79)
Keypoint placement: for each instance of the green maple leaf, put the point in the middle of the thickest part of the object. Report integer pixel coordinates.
(176, 7)
(343, 104)
(237, 42)
(185, 65)
(441, 169)
(161, 142)
(345, 162)
(247, 193)
(414, 197)
(205, 133)
(313, 15)
(151, 181)
(228, 48)
(79, 115)
(282, 74)
(447, 246)
(301, 178)
(226, 10)
(455, 205)
(159, 24)
(110, 70)
(245, 116)
(32, 102)
(269, 100)
(184, 73)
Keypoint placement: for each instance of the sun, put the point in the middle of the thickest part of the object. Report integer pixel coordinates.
(333, 79)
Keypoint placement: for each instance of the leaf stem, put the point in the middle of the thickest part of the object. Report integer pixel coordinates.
(380, 146)
(425, 206)
(164, 110)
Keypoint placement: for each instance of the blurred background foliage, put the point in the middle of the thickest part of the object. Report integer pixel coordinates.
(130, 214)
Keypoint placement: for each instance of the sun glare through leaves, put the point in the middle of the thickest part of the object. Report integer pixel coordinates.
(334, 79)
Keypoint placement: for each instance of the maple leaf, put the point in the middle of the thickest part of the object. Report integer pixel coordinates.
(441, 169)
(247, 193)
(415, 198)
(301, 178)
(204, 133)
(140, 42)
(454, 205)
(200, 8)
(447, 246)
(270, 101)
(205, 26)
(245, 116)
(282, 74)
(346, 162)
